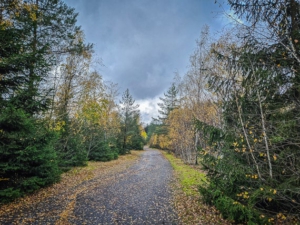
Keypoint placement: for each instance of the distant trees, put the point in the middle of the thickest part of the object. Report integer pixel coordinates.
(178, 133)
(159, 137)
(130, 130)
(169, 103)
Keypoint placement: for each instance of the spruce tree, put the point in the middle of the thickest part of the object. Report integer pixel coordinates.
(256, 178)
(169, 103)
(31, 34)
(129, 113)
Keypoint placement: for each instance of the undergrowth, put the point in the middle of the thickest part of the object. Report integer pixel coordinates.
(187, 199)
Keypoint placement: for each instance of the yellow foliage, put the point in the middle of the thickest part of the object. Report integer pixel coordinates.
(58, 126)
(281, 216)
(5, 24)
(144, 134)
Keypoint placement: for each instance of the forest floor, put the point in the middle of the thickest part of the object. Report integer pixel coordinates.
(138, 188)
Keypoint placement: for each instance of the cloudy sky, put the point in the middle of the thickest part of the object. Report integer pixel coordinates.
(142, 43)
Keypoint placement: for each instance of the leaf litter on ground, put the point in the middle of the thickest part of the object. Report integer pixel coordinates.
(187, 199)
(54, 204)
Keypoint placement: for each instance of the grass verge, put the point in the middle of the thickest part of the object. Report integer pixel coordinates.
(187, 199)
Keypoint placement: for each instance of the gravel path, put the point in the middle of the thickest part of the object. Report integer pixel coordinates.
(139, 195)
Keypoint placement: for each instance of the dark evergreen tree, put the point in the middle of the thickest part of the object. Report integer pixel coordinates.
(129, 113)
(169, 103)
(255, 178)
(31, 32)
(150, 129)
(136, 141)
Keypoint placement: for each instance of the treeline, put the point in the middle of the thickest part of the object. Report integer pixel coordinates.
(56, 111)
(236, 111)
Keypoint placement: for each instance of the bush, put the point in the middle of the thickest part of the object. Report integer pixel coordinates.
(27, 158)
(103, 153)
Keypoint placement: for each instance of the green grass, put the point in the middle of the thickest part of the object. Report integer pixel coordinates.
(190, 178)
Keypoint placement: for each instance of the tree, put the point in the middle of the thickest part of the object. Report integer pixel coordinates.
(197, 101)
(27, 157)
(169, 103)
(95, 113)
(67, 100)
(30, 31)
(129, 114)
(251, 180)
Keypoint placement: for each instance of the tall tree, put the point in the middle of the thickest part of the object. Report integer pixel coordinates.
(258, 141)
(129, 118)
(169, 102)
(30, 32)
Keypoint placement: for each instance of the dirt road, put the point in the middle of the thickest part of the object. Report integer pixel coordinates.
(139, 195)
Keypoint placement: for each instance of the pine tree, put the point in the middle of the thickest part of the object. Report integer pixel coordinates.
(169, 103)
(258, 141)
(30, 32)
(129, 114)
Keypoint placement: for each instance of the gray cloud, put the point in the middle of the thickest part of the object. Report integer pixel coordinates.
(143, 42)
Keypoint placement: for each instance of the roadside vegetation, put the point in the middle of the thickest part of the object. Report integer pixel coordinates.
(187, 199)
(56, 111)
(236, 112)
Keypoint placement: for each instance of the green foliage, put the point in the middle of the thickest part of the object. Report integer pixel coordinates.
(136, 142)
(169, 103)
(27, 158)
(231, 209)
(229, 189)
(71, 151)
(30, 33)
(130, 135)
(253, 168)
(104, 153)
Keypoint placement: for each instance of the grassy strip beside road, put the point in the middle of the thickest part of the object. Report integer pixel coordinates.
(189, 177)
(187, 199)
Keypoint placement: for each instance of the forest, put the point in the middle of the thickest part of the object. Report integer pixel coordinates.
(56, 111)
(235, 112)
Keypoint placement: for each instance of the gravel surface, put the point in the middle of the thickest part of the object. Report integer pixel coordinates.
(140, 194)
